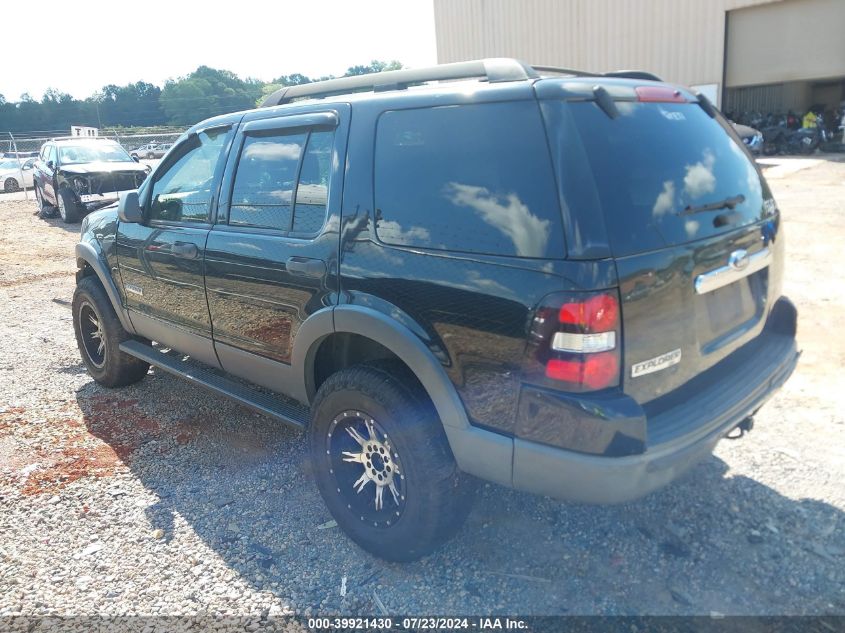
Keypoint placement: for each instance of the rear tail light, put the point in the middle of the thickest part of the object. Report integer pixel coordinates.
(575, 339)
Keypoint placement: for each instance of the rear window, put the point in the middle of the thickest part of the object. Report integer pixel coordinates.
(467, 178)
(660, 173)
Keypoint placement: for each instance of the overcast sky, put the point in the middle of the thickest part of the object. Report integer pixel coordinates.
(78, 47)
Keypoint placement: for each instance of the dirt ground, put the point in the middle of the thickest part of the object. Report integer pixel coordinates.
(162, 499)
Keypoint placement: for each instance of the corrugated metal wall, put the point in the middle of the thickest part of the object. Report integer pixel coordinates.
(789, 41)
(679, 40)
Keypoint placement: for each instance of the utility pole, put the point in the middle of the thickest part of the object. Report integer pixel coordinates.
(20, 166)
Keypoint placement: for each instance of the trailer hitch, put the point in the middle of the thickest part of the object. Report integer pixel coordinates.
(741, 429)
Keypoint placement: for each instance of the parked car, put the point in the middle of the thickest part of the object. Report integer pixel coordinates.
(16, 173)
(20, 154)
(569, 285)
(76, 175)
(151, 150)
(752, 138)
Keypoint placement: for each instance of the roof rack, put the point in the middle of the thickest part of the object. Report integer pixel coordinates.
(624, 74)
(494, 70)
(634, 74)
(565, 71)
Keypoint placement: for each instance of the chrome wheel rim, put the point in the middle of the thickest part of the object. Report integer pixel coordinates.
(367, 471)
(93, 335)
(38, 200)
(61, 206)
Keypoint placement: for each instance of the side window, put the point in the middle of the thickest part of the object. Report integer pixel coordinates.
(475, 178)
(282, 181)
(266, 178)
(313, 188)
(52, 155)
(183, 192)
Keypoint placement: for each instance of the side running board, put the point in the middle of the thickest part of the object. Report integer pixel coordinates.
(285, 410)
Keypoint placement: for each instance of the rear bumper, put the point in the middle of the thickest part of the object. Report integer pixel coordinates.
(590, 479)
(679, 436)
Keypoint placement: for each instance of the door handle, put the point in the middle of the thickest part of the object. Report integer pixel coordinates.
(306, 266)
(186, 250)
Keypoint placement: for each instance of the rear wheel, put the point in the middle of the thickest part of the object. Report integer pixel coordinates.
(383, 464)
(99, 335)
(10, 185)
(69, 209)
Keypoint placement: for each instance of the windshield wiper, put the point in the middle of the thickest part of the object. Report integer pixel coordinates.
(727, 203)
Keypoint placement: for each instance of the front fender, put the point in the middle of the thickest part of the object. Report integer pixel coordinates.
(87, 253)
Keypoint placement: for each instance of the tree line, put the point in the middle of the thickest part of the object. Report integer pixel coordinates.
(203, 93)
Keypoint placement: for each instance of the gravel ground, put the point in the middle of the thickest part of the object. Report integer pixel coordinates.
(163, 499)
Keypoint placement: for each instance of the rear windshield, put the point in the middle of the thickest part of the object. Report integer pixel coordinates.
(662, 173)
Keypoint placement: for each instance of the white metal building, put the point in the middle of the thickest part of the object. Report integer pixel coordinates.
(766, 55)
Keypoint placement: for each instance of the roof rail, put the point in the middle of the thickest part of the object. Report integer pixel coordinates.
(634, 74)
(493, 70)
(565, 71)
(625, 74)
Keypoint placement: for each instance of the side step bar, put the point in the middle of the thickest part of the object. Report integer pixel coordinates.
(288, 411)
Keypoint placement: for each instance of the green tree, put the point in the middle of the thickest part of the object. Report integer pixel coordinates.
(374, 66)
(207, 92)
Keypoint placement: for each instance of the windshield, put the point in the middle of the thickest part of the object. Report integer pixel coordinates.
(106, 153)
(662, 173)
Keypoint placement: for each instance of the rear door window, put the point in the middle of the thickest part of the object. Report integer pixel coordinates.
(663, 173)
(472, 178)
(282, 181)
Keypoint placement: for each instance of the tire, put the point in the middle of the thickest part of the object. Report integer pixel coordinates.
(99, 335)
(398, 433)
(69, 210)
(150, 155)
(44, 210)
(10, 185)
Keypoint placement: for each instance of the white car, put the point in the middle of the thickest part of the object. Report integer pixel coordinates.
(11, 171)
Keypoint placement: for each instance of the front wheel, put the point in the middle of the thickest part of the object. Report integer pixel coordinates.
(10, 185)
(44, 210)
(383, 464)
(99, 335)
(69, 209)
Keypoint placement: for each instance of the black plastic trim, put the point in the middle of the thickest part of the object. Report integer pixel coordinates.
(286, 411)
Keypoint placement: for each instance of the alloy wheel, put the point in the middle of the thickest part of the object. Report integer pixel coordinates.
(62, 210)
(93, 335)
(366, 467)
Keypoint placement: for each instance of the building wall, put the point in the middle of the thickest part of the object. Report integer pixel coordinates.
(789, 41)
(682, 41)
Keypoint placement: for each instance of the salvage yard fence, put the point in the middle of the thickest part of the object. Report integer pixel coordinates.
(31, 142)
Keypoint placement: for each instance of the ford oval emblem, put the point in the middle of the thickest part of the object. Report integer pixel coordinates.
(739, 259)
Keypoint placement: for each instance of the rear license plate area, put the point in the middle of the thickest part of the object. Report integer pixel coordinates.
(726, 312)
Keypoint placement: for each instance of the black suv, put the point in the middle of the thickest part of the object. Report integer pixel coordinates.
(75, 175)
(569, 284)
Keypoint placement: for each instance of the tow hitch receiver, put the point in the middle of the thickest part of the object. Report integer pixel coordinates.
(741, 429)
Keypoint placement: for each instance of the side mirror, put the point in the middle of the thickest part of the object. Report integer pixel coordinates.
(129, 208)
(136, 159)
(50, 164)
